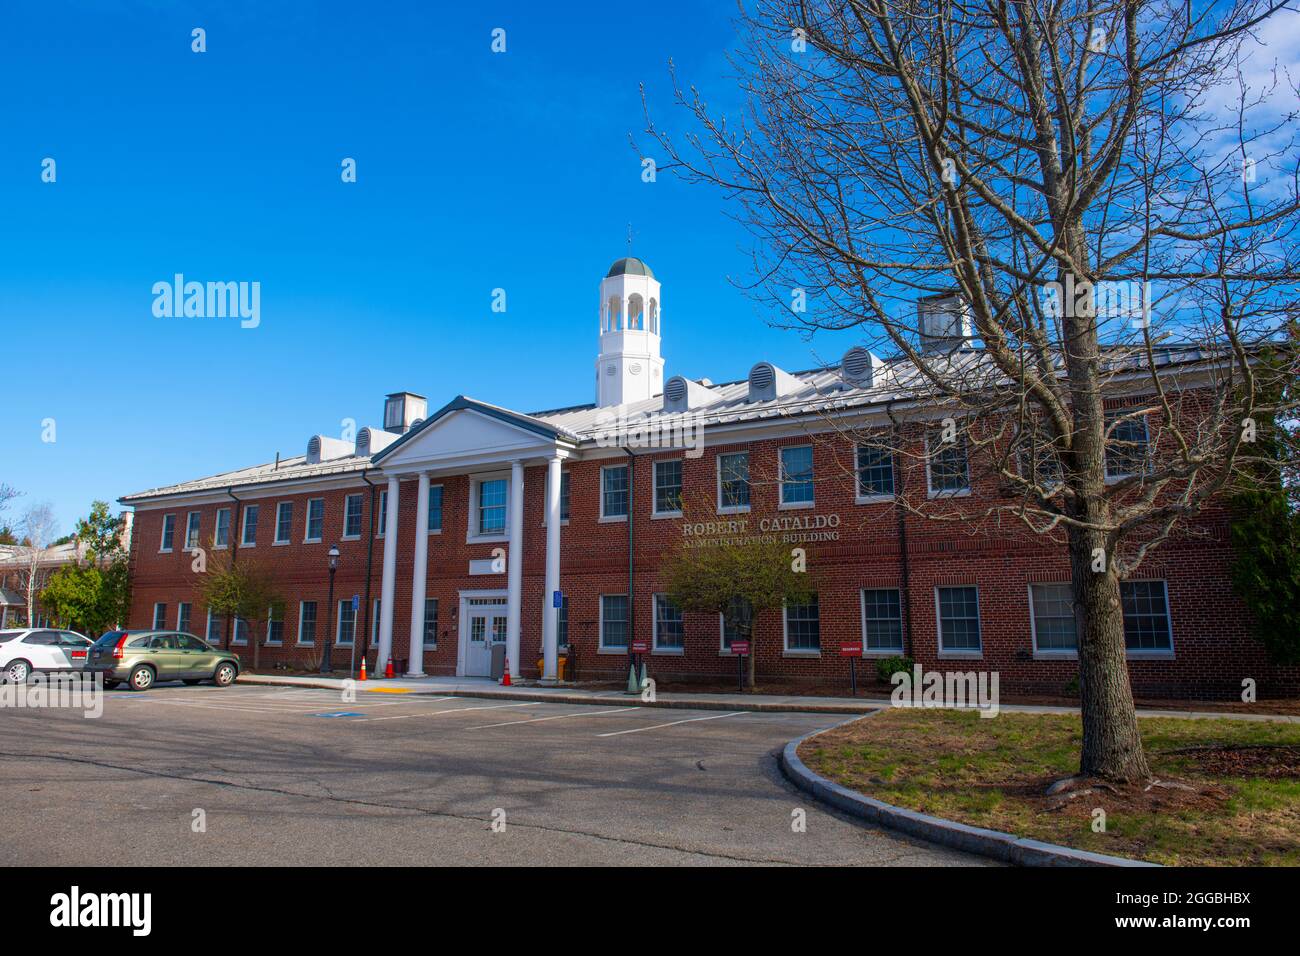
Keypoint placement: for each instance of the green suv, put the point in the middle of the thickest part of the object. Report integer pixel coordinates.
(142, 658)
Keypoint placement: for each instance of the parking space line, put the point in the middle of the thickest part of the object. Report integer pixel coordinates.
(538, 720)
(454, 710)
(672, 723)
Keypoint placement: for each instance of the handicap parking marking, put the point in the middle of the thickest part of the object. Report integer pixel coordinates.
(453, 710)
(340, 713)
(672, 723)
(538, 720)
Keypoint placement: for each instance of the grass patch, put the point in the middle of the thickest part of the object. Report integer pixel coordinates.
(1235, 798)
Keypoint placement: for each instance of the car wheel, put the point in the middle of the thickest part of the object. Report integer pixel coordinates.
(141, 678)
(17, 672)
(225, 674)
(190, 681)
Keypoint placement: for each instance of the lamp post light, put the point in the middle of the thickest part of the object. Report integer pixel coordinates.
(325, 664)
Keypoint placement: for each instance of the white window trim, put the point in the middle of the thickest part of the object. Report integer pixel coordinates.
(654, 490)
(1148, 654)
(306, 522)
(338, 624)
(234, 632)
(858, 497)
(929, 485)
(268, 642)
(276, 539)
(301, 642)
(1111, 478)
(654, 627)
(374, 622)
(601, 647)
(968, 655)
(601, 491)
(471, 521)
(1049, 654)
(207, 629)
(179, 605)
(723, 649)
(785, 634)
(443, 520)
(717, 472)
(154, 620)
(547, 489)
(216, 527)
(346, 498)
(198, 531)
(423, 622)
(243, 526)
(381, 518)
(880, 651)
(782, 504)
(162, 537)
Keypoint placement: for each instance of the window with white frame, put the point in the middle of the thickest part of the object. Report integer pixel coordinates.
(797, 476)
(191, 531)
(283, 522)
(668, 487)
(430, 624)
(613, 621)
(1146, 616)
(882, 620)
(562, 623)
(241, 631)
(183, 616)
(216, 630)
(374, 623)
(1127, 451)
(352, 508)
(803, 626)
(564, 496)
(168, 533)
(382, 517)
(315, 520)
(223, 528)
(248, 533)
(946, 468)
(741, 610)
(613, 491)
(875, 472)
(307, 622)
(275, 624)
(159, 616)
(1051, 607)
(959, 619)
(1039, 462)
(435, 508)
(669, 632)
(733, 482)
(345, 631)
(491, 509)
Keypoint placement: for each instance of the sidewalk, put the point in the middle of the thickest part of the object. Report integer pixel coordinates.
(484, 687)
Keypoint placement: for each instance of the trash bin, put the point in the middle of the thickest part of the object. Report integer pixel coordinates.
(498, 661)
(400, 664)
(559, 665)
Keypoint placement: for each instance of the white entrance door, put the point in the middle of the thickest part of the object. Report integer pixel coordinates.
(487, 628)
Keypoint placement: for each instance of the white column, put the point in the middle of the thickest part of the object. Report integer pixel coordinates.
(515, 565)
(550, 614)
(389, 580)
(415, 668)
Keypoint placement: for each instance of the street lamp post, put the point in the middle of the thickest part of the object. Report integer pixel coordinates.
(325, 664)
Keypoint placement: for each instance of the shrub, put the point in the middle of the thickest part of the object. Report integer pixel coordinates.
(887, 667)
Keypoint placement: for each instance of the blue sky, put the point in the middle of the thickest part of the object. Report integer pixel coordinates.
(475, 171)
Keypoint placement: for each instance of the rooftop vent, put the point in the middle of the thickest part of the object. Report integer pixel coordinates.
(683, 395)
(401, 409)
(373, 440)
(944, 322)
(767, 382)
(859, 367)
(323, 448)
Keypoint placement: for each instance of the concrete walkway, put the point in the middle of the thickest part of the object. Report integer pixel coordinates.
(484, 687)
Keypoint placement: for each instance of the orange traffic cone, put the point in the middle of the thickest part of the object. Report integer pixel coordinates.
(388, 670)
(505, 678)
(363, 668)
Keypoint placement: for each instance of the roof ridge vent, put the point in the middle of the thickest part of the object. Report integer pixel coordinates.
(323, 448)
(371, 440)
(767, 382)
(683, 395)
(859, 367)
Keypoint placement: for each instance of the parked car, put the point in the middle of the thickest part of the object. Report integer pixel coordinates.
(28, 650)
(143, 658)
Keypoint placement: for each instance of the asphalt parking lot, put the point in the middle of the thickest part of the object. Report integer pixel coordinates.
(301, 777)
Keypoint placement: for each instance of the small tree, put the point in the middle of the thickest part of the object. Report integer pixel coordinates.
(95, 596)
(739, 578)
(240, 588)
(38, 532)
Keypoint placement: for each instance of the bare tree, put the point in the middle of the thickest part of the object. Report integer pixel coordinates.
(1101, 196)
(39, 529)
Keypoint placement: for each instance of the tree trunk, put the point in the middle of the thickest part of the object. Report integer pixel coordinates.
(1112, 747)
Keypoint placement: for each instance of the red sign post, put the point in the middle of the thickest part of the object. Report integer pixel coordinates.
(741, 650)
(852, 652)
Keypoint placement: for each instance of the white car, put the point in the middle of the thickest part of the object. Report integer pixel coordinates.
(29, 649)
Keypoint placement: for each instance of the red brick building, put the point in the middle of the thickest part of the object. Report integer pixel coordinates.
(463, 530)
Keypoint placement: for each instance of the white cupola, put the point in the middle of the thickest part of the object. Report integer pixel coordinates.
(629, 368)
